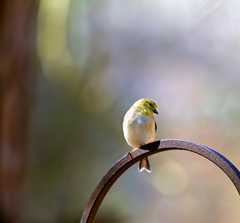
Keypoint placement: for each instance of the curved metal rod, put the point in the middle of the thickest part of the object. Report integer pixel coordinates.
(158, 146)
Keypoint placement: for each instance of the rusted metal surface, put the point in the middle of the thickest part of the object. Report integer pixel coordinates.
(159, 146)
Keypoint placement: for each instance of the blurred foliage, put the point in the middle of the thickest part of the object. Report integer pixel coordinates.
(97, 58)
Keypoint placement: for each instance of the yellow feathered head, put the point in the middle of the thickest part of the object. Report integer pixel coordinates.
(149, 106)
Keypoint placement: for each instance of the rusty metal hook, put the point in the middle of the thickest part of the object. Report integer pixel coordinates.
(158, 146)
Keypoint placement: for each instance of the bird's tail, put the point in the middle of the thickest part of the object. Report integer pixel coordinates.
(144, 165)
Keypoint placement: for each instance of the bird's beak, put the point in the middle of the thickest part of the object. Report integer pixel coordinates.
(155, 111)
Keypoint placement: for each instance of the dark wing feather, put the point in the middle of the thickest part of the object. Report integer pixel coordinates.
(155, 126)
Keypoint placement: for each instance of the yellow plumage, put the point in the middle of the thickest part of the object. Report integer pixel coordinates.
(139, 127)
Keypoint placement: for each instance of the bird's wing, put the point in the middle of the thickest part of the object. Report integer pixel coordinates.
(155, 126)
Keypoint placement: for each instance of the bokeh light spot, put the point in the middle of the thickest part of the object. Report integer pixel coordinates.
(170, 179)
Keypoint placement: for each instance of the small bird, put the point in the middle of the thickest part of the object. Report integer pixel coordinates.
(139, 127)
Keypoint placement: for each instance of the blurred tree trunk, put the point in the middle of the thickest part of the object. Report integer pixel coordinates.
(17, 55)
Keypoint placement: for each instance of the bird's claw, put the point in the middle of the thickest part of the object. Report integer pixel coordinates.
(129, 153)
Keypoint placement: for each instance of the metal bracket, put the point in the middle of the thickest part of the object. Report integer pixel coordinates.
(158, 146)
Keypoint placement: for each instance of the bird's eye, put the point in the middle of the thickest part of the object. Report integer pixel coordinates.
(150, 104)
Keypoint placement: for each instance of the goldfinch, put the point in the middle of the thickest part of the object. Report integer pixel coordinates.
(139, 127)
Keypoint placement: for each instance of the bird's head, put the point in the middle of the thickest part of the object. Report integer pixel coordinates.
(147, 105)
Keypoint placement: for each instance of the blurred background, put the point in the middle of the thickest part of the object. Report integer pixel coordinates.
(80, 65)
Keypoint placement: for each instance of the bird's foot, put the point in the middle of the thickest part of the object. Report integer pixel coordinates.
(129, 153)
